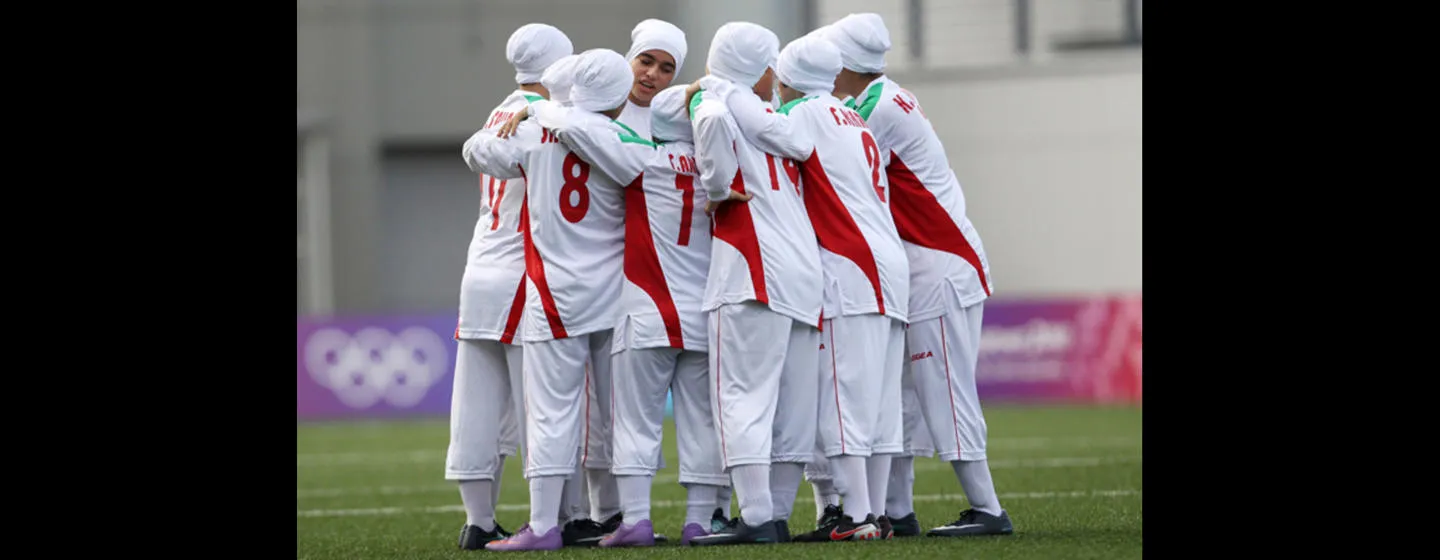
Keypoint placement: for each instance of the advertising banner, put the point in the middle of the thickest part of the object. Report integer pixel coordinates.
(1074, 350)
(1081, 350)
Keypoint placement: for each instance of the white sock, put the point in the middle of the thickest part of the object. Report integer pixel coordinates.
(699, 504)
(976, 482)
(545, 494)
(825, 495)
(604, 494)
(877, 475)
(752, 482)
(849, 473)
(573, 505)
(479, 508)
(499, 477)
(610, 495)
(635, 497)
(722, 498)
(784, 483)
(900, 498)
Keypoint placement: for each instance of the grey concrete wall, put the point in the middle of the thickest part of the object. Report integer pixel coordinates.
(1049, 157)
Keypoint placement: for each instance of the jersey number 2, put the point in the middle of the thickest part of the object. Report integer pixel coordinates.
(574, 196)
(872, 158)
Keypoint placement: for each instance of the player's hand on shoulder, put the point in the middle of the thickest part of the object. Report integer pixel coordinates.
(690, 92)
(508, 129)
(720, 87)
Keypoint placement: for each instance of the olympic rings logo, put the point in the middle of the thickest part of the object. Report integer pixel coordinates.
(375, 365)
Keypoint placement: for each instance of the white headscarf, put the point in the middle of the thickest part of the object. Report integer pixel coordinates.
(863, 41)
(602, 81)
(741, 51)
(534, 47)
(559, 78)
(658, 34)
(809, 64)
(668, 120)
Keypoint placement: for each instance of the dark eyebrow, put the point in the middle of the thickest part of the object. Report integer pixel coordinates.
(667, 66)
(647, 59)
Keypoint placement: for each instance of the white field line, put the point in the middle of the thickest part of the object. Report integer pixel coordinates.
(331, 459)
(923, 466)
(666, 504)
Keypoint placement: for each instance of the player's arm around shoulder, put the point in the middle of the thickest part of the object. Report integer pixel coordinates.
(770, 131)
(487, 153)
(612, 148)
(715, 137)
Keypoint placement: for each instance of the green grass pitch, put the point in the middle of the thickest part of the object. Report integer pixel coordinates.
(1069, 476)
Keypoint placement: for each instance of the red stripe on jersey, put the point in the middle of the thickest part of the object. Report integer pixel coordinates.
(642, 263)
(734, 225)
(517, 307)
(535, 268)
(495, 203)
(834, 226)
(719, 400)
(922, 221)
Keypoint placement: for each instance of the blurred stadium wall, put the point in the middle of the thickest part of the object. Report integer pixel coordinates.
(1038, 103)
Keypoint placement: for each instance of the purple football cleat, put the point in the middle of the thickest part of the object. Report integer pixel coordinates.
(691, 531)
(639, 534)
(526, 539)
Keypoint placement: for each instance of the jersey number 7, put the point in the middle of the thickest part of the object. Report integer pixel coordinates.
(686, 184)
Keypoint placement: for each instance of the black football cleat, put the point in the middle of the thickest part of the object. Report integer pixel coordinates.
(782, 530)
(738, 532)
(718, 521)
(472, 537)
(887, 530)
(850, 530)
(612, 524)
(907, 526)
(829, 519)
(581, 532)
(974, 522)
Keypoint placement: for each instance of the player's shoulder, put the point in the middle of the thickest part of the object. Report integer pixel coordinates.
(664, 150)
(892, 101)
(707, 105)
(516, 100)
(673, 158)
(528, 136)
(808, 105)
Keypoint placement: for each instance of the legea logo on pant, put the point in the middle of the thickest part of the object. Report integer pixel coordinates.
(374, 364)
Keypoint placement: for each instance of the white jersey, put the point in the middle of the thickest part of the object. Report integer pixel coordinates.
(925, 198)
(841, 169)
(764, 249)
(574, 216)
(667, 255)
(637, 118)
(492, 291)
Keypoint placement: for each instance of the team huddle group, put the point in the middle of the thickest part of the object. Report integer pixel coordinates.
(780, 245)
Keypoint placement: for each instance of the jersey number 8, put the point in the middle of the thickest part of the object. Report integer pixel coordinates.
(574, 196)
